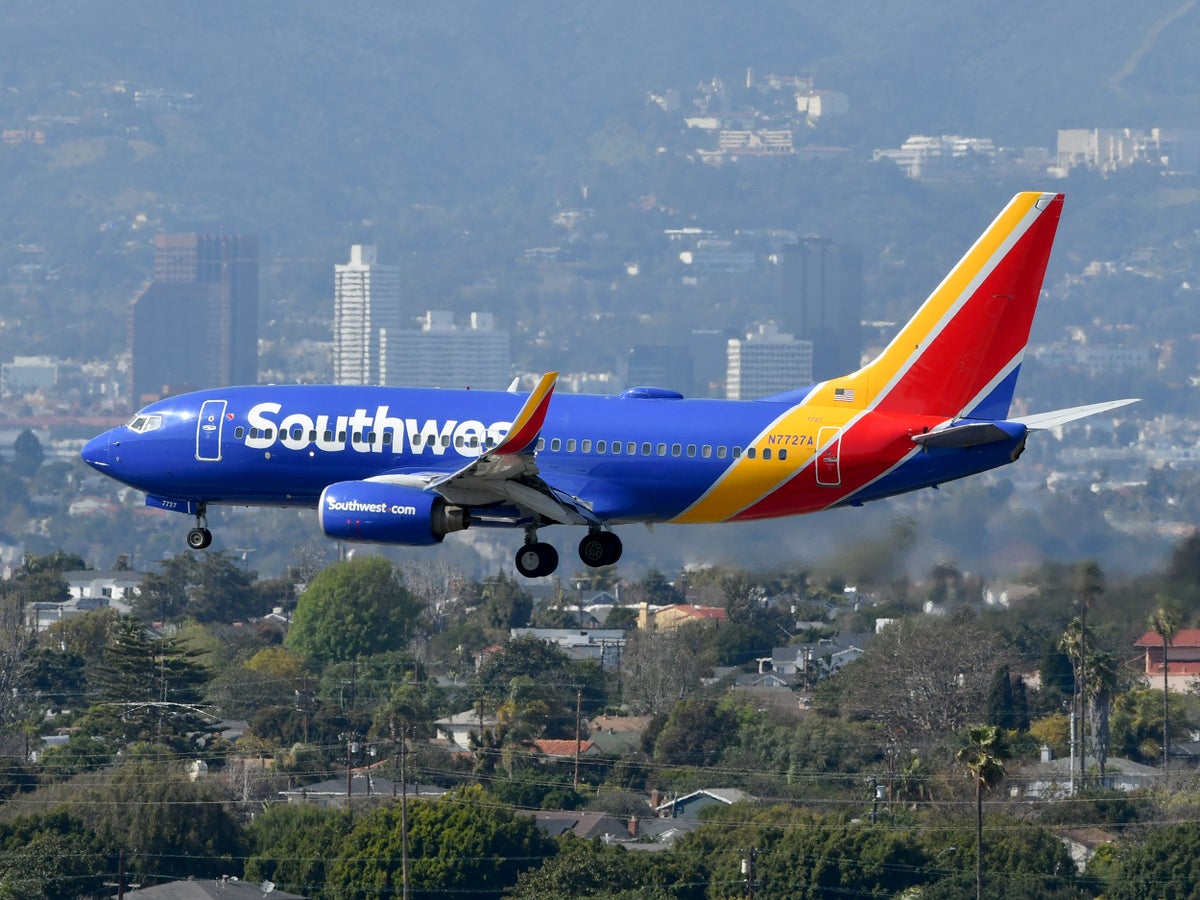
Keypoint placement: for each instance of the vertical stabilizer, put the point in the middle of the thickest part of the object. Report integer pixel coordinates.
(960, 354)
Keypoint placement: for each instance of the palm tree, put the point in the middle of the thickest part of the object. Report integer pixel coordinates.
(1165, 623)
(1102, 684)
(982, 756)
(1089, 584)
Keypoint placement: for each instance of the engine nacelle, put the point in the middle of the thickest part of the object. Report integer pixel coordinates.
(379, 513)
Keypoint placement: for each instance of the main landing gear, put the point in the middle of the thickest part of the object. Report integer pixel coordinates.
(200, 537)
(537, 559)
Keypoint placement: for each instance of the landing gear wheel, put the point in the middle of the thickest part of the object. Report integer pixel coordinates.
(199, 538)
(600, 548)
(537, 559)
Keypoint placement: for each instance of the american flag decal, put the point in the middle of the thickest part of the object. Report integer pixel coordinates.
(846, 394)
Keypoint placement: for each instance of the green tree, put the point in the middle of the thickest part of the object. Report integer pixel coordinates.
(153, 688)
(27, 454)
(464, 842)
(696, 732)
(983, 757)
(359, 607)
(208, 587)
(290, 844)
(52, 856)
(592, 869)
(1164, 865)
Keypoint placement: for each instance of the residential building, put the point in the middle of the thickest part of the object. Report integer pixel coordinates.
(366, 305)
(668, 618)
(195, 325)
(822, 285)
(443, 353)
(1111, 149)
(1182, 658)
(224, 888)
(767, 362)
(604, 646)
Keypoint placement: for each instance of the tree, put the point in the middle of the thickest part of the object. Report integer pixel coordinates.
(659, 668)
(1165, 623)
(695, 733)
(982, 756)
(27, 454)
(922, 677)
(290, 844)
(463, 842)
(1164, 865)
(208, 587)
(354, 608)
(154, 688)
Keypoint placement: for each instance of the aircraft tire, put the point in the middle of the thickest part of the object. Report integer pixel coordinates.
(199, 538)
(600, 548)
(537, 560)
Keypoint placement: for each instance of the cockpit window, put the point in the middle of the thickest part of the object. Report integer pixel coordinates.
(141, 424)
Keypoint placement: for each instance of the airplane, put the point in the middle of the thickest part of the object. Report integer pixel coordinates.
(408, 466)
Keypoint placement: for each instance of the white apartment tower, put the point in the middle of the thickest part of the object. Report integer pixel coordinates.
(445, 354)
(366, 303)
(767, 362)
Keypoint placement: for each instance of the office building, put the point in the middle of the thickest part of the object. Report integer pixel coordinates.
(443, 353)
(767, 362)
(822, 303)
(195, 325)
(366, 304)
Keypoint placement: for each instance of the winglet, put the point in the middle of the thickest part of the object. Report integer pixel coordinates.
(528, 423)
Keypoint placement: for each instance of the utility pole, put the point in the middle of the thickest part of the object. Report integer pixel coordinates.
(749, 882)
(578, 742)
(404, 809)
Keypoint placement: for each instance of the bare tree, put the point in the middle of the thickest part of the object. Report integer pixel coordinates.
(922, 677)
(16, 641)
(659, 668)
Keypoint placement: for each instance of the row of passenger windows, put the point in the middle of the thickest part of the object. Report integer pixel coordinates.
(572, 445)
(646, 448)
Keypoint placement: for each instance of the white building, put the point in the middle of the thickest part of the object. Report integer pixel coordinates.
(444, 354)
(366, 303)
(766, 362)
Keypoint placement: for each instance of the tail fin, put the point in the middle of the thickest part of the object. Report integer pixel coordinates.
(960, 354)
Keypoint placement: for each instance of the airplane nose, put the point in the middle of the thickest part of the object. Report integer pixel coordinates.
(95, 452)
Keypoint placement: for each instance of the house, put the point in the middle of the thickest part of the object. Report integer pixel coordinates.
(210, 889)
(1082, 844)
(1182, 657)
(689, 805)
(458, 728)
(552, 748)
(605, 646)
(618, 735)
(364, 786)
(587, 825)
(1052, 778)
(668, 618)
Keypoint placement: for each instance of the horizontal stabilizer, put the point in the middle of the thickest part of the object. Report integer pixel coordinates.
(1053, 419)
(963, 436)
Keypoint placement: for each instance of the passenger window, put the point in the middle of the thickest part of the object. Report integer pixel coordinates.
(571, 445)
(239, 432)
(541, 444)
(445, 440)
(297, 432)
(676, 449)
(706, 451)
(387, 438)
(750, 453)
(312, 435)
(631, 448)
(328, 436)
(737, 452)
(586, 446)
(662, 449)
(721, 451)
(691, 449)
(601, 446)
(782, 455)
(646, 449)
(556, 444)
(341, 437)
(766, 452)
(458, 441)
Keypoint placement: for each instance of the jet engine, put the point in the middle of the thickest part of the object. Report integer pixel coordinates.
(380, 513)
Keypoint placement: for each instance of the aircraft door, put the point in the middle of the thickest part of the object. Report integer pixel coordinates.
(829, 461)
(208, 430)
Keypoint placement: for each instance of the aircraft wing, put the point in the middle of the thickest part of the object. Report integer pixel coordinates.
(508, 472)
(1040, 421)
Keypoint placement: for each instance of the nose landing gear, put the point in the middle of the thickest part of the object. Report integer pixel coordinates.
(200, 537)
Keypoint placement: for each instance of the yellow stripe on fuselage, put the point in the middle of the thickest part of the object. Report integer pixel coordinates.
(747, 480)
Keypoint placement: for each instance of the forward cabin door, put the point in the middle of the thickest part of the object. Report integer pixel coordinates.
(208, 430)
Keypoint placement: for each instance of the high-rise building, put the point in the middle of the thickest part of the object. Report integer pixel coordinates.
(444, 354)
(822, 303)
(366, 305)
(196, 324)
(767, 362)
